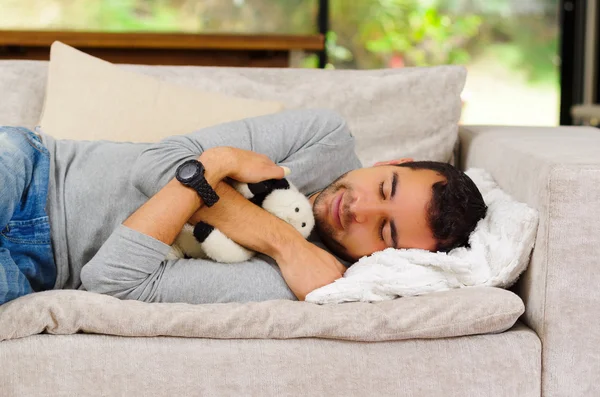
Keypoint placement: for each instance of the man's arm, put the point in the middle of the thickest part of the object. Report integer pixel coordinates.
(314, 143)
(304, 266)
(162, 217)
(131, 265)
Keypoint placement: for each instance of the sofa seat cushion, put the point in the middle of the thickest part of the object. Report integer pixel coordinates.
(506, 364)
(445, 314)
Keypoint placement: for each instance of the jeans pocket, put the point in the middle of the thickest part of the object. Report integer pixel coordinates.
(31, 231)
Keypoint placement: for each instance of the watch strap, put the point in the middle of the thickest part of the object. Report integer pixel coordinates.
(205, 191)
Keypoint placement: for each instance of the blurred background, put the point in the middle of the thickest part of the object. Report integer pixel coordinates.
(510, 47)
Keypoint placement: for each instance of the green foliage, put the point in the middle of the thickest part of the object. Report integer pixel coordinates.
(521, 35)
(336, 51)
(401, 32)
(537, 64)
(529, 45)
(386, 33)
(422, 36)
(133, 15)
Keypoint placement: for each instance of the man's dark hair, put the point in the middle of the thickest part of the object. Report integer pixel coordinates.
(456, 205)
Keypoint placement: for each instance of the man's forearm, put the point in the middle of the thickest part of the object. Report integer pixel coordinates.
(164, 214)
(246, 223)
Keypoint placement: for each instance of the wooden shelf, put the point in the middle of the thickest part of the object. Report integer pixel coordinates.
(163, 41)
(163, 48)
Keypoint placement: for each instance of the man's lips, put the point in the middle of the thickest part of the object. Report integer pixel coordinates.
(335, 209)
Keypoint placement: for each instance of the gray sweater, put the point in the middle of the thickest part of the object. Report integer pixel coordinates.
(95, 185)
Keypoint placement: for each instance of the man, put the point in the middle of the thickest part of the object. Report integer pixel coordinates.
(117, 207)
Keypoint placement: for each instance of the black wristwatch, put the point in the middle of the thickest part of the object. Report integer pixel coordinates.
(191, 173)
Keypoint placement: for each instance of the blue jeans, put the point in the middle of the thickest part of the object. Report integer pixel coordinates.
(26, 257)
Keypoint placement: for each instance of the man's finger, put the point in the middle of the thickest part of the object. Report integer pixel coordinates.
(286, 171)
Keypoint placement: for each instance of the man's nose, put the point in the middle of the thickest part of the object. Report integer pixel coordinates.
(362, 209)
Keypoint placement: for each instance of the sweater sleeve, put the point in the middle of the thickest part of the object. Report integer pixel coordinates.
(306, 141)
(132, 265)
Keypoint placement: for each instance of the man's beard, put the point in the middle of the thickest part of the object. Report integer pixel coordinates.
(325, 230)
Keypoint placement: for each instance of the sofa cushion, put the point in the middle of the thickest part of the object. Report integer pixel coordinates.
(88, 98)
(22, 87)
(438, 315)
(499, 365)
(392, 113)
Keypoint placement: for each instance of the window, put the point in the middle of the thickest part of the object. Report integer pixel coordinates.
(510, 47)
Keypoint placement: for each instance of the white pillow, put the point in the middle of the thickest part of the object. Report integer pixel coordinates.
(500, 248)
(88, 98)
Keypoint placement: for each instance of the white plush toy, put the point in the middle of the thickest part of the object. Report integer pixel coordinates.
(277, 196)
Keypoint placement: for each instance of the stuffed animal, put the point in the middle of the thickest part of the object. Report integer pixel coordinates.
(277, 196)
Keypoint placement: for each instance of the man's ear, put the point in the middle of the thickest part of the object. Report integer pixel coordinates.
(393, 162)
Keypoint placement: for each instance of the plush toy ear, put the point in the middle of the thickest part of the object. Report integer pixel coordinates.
(259, 188)
(266, 187)
(262, 189)
(202, 231)
(279, 184)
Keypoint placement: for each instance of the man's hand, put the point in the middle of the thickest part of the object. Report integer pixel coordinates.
(306, 267)
(242, 165)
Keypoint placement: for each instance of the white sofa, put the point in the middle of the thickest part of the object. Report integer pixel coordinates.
(553, 350)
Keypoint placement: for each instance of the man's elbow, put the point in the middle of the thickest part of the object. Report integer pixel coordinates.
(156, 165)
(94, 279)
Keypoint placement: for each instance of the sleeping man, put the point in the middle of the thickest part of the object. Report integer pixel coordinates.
(101, 216)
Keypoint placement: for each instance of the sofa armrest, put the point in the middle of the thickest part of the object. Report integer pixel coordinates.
(557, 171)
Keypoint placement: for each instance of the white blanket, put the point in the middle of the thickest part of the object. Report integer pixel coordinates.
(499, 251)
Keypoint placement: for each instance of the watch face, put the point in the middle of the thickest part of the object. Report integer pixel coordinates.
(188, 171)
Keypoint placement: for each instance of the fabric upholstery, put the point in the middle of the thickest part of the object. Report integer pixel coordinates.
(90, 99)
(506, 364)
(393, 113)
(556, 171)
(451, 313)
(22, 88)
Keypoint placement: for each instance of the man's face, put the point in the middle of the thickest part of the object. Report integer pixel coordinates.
(370, 209)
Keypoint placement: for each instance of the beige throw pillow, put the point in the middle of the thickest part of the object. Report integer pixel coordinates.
(89, 99)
